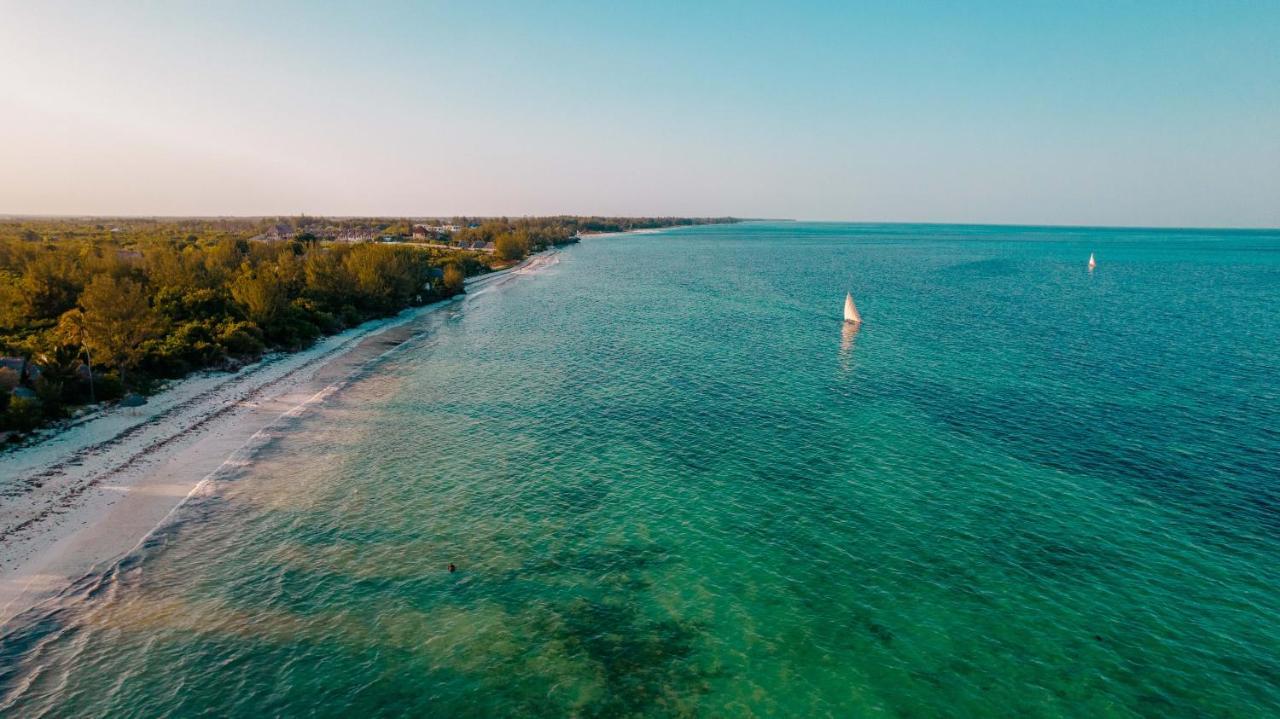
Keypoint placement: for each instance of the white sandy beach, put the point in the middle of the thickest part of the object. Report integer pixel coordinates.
(81, 499)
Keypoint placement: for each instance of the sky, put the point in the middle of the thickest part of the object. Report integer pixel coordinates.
(1152, 113)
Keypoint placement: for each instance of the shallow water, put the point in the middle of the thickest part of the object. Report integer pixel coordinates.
(674, 485)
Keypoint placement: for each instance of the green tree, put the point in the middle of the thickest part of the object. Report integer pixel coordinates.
(262, 295)
(386, 277)
(454, 281)
(327, 279)
(511, 246)
(117, 320)
(70, 331)
(224, 257)
(50, 285)
(12, 307)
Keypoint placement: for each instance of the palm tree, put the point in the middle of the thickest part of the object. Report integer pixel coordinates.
(71, 331)
(60, 366)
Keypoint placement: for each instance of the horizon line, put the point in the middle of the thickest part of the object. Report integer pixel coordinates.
(933, 223)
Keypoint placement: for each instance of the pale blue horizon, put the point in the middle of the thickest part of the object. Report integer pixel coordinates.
(1141, 114)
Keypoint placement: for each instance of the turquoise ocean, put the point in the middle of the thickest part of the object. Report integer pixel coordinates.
(673, 484)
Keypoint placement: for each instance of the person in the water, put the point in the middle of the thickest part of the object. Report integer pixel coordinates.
(452, 568)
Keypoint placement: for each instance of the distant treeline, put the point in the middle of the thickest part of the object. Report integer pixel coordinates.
(95, 308)
(513, 239)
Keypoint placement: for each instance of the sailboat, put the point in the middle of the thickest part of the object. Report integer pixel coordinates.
(1092, 262)
(850, 312)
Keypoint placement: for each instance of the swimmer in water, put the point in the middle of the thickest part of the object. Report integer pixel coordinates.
(452, 568)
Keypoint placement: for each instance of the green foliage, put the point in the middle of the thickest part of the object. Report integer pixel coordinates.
(187, 346)
(118, 319)
(106, 306)
(63, 378)
(241, 339)
(13, 312)
(512, 246)
(22, 414)
(453, 279)
(261, 294)
(50, 286)
(386, 277)
(177, 305)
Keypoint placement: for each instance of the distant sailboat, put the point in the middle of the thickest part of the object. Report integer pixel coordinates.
(850, 312)
(1092, 262)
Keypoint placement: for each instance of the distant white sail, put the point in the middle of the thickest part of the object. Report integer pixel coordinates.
(851, 312)
(1092, 262)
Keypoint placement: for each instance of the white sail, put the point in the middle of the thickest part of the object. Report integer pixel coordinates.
(851, 312)
(1092, 262)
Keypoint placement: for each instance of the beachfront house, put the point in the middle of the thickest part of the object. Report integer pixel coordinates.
(352, 237)
(279, 233)
(276, 233)
(422, 233)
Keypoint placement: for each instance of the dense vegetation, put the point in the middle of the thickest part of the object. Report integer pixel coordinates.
(93, 309)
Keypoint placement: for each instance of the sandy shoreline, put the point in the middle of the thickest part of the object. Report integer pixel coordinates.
(80, 500)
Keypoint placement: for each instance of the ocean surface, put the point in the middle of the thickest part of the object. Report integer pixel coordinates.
(674, 485)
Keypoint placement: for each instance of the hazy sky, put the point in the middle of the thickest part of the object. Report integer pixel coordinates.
(1147, 113)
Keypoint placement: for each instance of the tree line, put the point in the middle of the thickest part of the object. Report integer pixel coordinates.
(90, 319)
(93, 309)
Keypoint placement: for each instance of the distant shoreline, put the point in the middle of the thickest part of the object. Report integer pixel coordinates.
(648, 230)
(83, 498)
(19, 217)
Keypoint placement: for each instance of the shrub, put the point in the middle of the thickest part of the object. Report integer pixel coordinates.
(108, 386)
(350, 316)
(454, 280)
(241, 339)
(23, 414)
